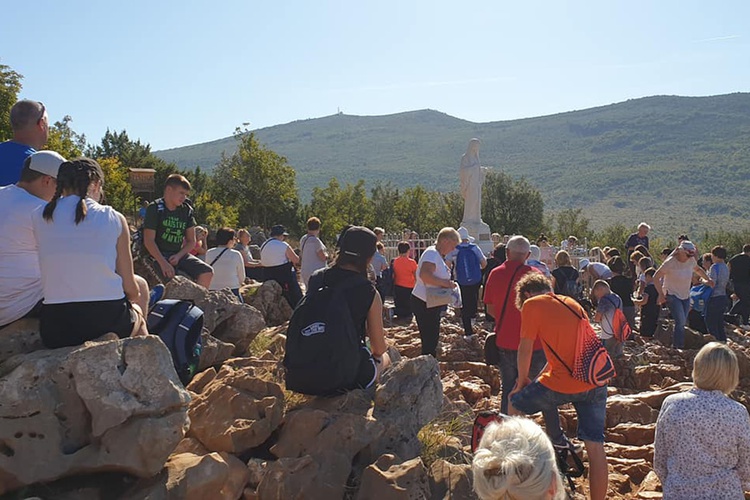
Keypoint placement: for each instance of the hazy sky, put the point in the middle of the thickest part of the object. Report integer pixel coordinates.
(174, 73)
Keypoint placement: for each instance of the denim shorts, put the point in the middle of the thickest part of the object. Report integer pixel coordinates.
(591, 407)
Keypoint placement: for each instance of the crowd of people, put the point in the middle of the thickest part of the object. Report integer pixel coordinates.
(67, 260)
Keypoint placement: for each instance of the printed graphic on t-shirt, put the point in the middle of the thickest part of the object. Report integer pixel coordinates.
(173, 230)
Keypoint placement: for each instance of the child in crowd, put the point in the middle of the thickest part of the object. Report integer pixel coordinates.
(648, 304)
(623, 287)
(606, 303)
(643, 264)
(717, 304)
(201, 247)
(404, 279)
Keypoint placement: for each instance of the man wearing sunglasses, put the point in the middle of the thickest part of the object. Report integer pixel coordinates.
(30, 125)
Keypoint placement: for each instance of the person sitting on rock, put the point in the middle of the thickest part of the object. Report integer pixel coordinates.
(169, 233)
(515, 459)
(356, 249)
(87, 269)
(253, 267)
(278, 261)
(702, 442)
(554, 321)
(20, 277)
(228, 265)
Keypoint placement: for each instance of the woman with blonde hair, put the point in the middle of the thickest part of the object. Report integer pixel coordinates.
(702, 445)
(515, 460)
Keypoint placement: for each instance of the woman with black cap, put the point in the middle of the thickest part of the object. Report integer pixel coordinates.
(356, 247)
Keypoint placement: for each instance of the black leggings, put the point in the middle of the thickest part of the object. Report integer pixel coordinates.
(428, 321)
(469, 298)
(401, 301)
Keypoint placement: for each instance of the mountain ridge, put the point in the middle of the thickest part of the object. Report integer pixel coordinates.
(612, 160)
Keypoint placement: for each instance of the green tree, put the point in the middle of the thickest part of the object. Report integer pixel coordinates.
(384, 198)
(259, 182)
(117, 189)
(613, 236)
(413, 209)
(63, 139)
(10, 86)
(336, 207)
(571, 222)
(512, 207)
(449, 209)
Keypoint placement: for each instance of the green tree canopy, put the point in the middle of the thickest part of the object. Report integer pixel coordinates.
(10, 86)
(258, 182)
(511, 207)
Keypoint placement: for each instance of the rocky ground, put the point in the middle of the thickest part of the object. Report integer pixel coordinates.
(111, 420)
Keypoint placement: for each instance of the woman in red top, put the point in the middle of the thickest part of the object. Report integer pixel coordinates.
(404, 279)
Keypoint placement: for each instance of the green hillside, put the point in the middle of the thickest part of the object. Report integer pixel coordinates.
(682, 163)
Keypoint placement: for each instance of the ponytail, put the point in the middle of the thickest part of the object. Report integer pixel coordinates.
(75, 177)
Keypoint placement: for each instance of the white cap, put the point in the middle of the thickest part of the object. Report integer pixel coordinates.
(464, 234)
(46, 162)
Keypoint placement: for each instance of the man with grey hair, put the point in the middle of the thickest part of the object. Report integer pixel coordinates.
(30, 125)
(500, 298)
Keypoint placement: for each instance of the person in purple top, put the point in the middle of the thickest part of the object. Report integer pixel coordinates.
(30, 125)
(640, 237)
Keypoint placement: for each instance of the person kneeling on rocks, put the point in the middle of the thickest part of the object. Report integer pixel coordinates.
(554, 320)
(515, 459)
(85, 261)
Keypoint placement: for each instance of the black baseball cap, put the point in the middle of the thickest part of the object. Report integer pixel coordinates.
(358, 241)
(278, 230)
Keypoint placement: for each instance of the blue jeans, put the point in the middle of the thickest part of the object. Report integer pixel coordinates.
(715, 317)
(591, 408)
(678, 308)
(509, 374)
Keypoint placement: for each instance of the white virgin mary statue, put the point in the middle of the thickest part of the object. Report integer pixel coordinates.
(472, 177)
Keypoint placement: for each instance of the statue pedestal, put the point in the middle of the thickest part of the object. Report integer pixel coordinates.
(481, 233)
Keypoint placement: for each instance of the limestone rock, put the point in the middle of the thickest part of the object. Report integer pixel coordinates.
(213, 351)
(633, 434)
(409, 396)
(267, 299)
(187, 476)
(293, 479)
(236, 411)
(223, 316)
(115, 406)
(201, 380)
(389, 478)
(20, 337)
(627, 409)
(449, 481)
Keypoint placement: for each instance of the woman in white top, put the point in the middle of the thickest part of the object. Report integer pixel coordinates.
(228, 264)
(84, 256)
(278, 261)
(432, 272)
(677, 273)
(702, 445)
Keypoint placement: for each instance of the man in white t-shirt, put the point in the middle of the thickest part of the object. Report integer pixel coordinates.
(20, 277)
(313, 254)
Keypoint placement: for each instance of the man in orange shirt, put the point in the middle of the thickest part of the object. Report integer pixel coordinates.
(404, 279)
(554, 320)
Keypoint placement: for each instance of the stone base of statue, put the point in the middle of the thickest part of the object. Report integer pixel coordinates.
(481, 233)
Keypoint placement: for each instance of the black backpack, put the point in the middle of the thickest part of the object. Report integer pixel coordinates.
(179, 323)
(571, 287)
(322, 343)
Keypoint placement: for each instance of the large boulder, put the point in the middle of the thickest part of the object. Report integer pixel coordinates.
(20, 337)
(409, 396)
(267, 298)
(449, 481)
(223, 315)
(390, 478)
(218, 476)
(102, 406)
(236, 410)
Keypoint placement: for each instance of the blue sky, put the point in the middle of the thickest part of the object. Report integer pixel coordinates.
(176, 73)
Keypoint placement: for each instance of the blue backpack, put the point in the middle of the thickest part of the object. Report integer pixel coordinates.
(179, 323)
(699, 296)
(468, 269)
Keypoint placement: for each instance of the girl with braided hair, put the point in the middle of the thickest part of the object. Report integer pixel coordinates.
(87, 269)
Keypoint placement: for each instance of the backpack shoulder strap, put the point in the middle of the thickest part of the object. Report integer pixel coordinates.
(507, 293)
(218, 257)
(568, 307)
